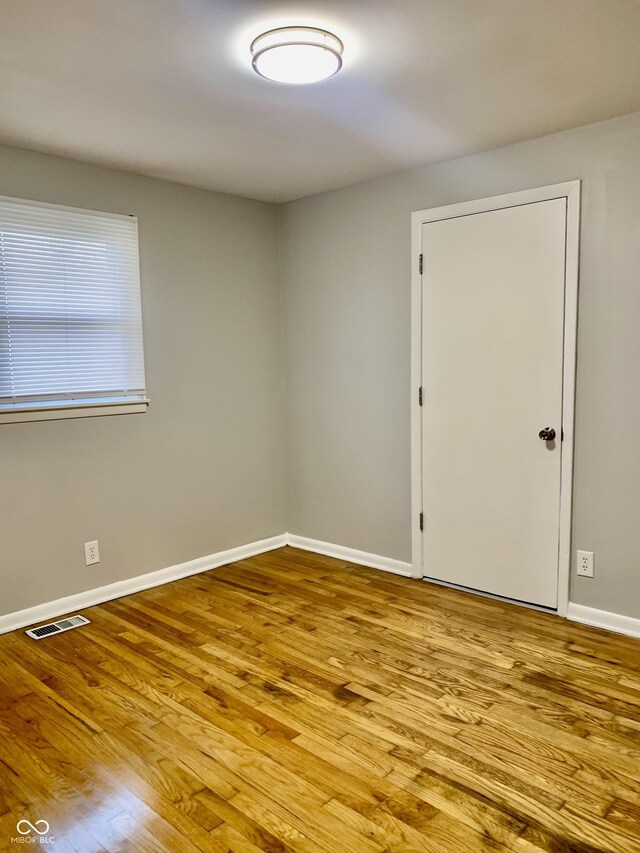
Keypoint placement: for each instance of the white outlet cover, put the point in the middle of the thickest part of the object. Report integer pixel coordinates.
(91, 552)
(585, 564)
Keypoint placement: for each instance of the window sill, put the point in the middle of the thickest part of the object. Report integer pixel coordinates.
(74, 410)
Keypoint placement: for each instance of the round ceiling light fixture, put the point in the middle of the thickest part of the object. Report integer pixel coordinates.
(297, 55)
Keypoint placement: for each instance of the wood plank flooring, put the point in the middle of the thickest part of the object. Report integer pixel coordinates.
(292, 702)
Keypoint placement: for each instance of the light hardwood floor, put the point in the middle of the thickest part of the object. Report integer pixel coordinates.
(295, 702)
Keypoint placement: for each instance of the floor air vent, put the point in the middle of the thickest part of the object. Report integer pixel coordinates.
(57, 627)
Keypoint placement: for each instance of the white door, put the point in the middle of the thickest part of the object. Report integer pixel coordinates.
(492, 374)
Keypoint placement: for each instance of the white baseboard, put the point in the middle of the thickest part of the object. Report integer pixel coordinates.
(350, 555)
(64, 606)
(604, 619)
(71, 603)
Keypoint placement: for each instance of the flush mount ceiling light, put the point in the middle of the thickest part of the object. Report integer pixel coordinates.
(297, 55)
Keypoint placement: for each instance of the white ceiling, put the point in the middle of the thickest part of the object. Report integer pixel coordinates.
(164, 87)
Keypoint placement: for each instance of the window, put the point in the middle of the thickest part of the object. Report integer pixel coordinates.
(70, 318)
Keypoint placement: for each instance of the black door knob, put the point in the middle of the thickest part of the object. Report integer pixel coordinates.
(547, 434)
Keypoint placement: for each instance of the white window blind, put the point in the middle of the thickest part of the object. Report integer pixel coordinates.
(70, 316)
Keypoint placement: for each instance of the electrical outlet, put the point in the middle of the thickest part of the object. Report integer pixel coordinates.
(91, 552)
(585, 564)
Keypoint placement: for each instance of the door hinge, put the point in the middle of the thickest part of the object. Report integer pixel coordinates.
(420, 395)
(421, 521)
(561, 434)
(420, 264)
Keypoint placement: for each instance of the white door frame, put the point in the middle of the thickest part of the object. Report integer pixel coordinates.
(571, 191)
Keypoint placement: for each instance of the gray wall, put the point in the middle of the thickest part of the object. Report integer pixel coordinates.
(202, 470)
(346, 296)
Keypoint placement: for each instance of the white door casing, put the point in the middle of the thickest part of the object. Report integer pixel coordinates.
(493, 347)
